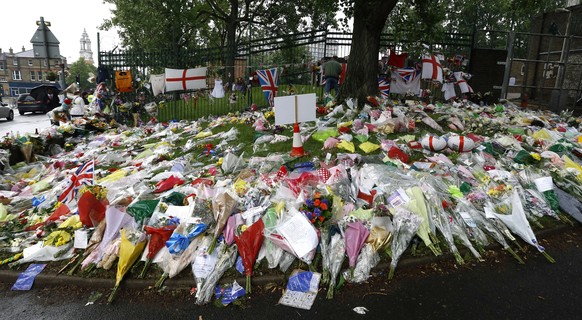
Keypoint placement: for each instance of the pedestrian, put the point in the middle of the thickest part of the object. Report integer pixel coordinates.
(136, 108)
(78, 108)
(333, 70)
(50, 99)
(61, 114)
(85, 97)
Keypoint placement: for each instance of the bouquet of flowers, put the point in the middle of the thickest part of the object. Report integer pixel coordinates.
(317, 209)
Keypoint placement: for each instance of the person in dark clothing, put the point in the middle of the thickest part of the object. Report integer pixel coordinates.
(51, 99)
(333, 70)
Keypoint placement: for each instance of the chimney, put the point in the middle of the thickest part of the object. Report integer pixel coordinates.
(11, 51)
(0, 50)
(23, 49)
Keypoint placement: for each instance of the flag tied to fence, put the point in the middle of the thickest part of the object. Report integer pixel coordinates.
(185, 79)
(405, 80)
(269, 80)
(431, 68)
(83, 175)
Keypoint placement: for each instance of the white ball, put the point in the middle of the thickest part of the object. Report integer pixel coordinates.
(433, 143)
(461, 143)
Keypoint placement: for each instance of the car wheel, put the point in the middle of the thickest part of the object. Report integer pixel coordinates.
(21, 112)
(10, 116)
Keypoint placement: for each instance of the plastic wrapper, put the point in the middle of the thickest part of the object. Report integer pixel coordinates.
(232, 163)
(355, 236)
(142, 210)
(110, 254)
(406, 225)
(367, 259)
(259, 143)
(335, 258)
(249, 244)
(472, 216)
(173, 264)
(132, 244)
(510, 211)
(569, 204)
(203, 263)
(294, 234)
(222, 206)
(91, 210)
(157, 240)
(227, 257)
(417, 205)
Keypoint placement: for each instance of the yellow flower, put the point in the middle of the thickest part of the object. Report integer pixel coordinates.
(536, 156)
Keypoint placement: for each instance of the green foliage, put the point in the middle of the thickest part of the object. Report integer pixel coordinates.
(82, 69)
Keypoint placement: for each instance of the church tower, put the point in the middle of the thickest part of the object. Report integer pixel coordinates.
(85, 51)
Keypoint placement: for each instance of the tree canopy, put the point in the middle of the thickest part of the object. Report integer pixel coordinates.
(82, 69)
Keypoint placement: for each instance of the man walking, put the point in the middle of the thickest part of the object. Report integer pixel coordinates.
(333, 70)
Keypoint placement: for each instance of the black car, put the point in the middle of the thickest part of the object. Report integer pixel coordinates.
(26, 103)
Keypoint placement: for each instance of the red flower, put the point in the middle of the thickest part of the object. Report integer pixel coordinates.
(317, 202)
(323, 206)
(317, 195)
(321, 218)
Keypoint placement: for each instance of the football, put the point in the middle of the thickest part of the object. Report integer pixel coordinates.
(433, 143)
(461, 143)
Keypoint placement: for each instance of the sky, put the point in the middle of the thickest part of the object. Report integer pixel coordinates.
(68, 18)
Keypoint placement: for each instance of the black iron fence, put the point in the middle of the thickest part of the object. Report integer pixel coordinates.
(297, 58)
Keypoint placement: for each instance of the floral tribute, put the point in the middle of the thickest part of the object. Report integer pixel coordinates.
(317, 209)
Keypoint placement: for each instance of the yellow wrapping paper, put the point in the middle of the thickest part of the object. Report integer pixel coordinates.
(57, 238)
(568, 163)
(368, 147)
(346, 145)
(73, 222)
(115, 176)
(379, 238)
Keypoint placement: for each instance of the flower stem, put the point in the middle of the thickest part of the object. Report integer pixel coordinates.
(565, 218)
(518, 246)
(160, 282)
(248, 284)
(550, 259)
(145, 268)
(434, 250)
(391, 273)
(330, 290)
(212, 245)
(113, 294)
(514, 254)
(458, 258)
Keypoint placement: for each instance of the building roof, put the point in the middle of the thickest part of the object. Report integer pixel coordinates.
(25, 54)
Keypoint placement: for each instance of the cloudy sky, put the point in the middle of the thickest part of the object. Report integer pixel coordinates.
(68, 18)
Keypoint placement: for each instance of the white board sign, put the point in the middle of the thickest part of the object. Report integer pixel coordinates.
(285, 109)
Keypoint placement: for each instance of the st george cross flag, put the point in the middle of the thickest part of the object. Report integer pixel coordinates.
(449, 90)
(384, 87)
(83, 175)
(431, 68)
(185, 79)
(461, 78)
(406, 80)
(269, 80)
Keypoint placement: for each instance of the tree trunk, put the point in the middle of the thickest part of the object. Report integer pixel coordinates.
(362, 73)
(231, 46)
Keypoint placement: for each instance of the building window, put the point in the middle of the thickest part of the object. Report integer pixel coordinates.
(57, 62)
(2, 65)
(39, 73)
(32, 75)
(16, 75)
(14, 92)
(14, 61)
(44, 62)
(30, 62)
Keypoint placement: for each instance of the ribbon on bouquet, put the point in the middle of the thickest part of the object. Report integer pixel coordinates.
(179, 242)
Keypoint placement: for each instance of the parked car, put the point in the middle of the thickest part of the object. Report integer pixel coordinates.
(26, 103)
(6, 111)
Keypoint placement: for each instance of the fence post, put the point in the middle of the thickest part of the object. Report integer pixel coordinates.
(508, 59)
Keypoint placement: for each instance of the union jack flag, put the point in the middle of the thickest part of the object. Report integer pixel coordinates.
(269, 80)
(384, 87)
(408, 74)
(83, 175)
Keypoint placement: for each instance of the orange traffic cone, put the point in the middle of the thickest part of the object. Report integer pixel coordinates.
(297, 150)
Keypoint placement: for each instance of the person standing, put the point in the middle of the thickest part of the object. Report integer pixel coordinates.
(332, 70)
(51, 99)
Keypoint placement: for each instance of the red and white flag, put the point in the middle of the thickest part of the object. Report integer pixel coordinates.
(461, 78)
(185, 79)
(431, 68)
(83, 175)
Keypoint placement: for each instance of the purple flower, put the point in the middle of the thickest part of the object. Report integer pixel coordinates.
(309, 202)
(317, 212)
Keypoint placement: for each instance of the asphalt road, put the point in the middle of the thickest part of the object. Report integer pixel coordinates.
(28, 122)
(498, 288)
